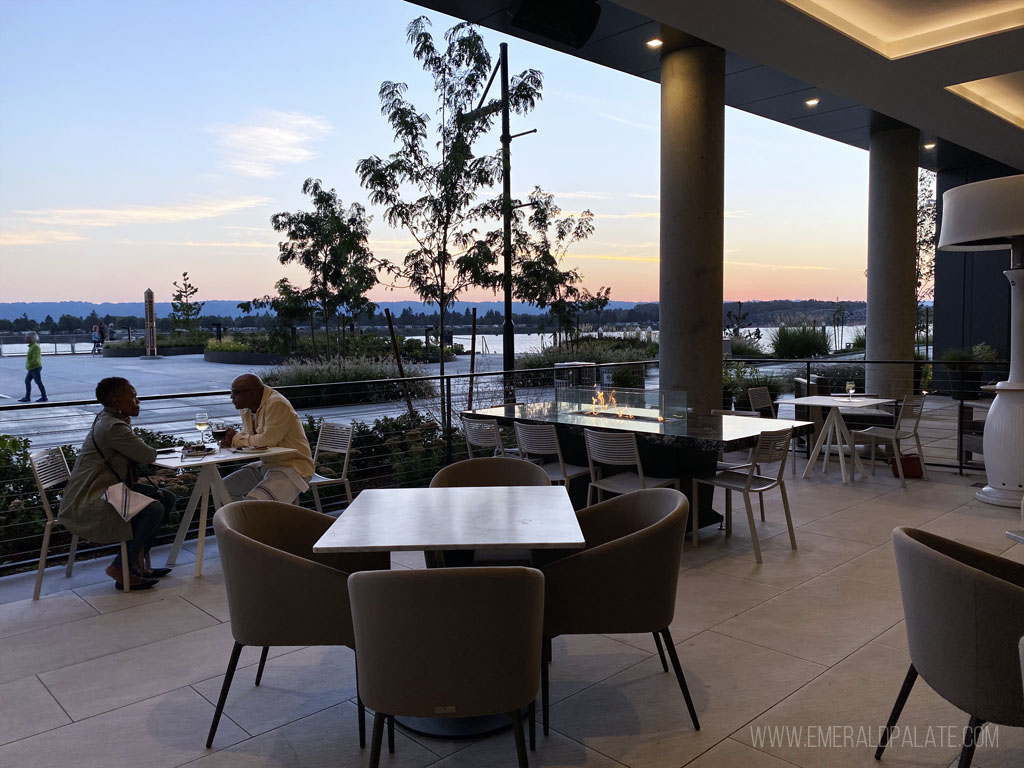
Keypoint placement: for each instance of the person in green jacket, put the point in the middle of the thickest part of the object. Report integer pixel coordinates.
(34, 366)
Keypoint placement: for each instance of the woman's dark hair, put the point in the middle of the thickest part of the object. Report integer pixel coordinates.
(109, 388)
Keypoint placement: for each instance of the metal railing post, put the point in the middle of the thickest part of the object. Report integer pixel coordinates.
(448, 417)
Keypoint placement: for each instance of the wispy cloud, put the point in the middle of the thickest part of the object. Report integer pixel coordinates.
(138, 214)
(642, 196)
(260, 146)
(36, 237)
(625, 121)
(637, 215)
(778, 267)
(611, 257)
(737, 214)
(582, 195)
(207, 244)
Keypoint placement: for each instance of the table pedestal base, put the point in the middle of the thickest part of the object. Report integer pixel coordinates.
(456, 727)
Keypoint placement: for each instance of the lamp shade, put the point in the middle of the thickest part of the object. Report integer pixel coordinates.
(983, 216)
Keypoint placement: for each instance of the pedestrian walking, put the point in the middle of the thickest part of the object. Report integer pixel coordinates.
(34, 368)
(97, 341)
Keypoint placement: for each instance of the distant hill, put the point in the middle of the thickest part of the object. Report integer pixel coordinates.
(38, 310)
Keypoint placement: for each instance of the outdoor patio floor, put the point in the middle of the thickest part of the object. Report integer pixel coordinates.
(811, 639)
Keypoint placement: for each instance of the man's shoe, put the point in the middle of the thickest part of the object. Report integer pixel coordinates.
(154, 573)
(43, 399)
(136, 582)
(25, 400)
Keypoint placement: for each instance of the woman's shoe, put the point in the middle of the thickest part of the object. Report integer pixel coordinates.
(136, 582)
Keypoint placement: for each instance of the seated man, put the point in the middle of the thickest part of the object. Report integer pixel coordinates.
(268, 420)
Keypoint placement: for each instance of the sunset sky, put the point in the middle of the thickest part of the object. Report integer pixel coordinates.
(139, 140)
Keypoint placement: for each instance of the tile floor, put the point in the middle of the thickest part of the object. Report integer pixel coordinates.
(812, 639)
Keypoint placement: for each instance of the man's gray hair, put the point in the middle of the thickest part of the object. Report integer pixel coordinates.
(32, 336)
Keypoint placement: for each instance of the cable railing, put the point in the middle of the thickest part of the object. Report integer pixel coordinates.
(407, 429)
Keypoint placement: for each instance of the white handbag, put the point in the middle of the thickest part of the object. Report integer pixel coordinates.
(127, 502)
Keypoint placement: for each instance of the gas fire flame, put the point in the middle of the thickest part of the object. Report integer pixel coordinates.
(603, 405)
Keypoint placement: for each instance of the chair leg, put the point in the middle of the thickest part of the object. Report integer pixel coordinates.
(920, 455)
(971, 736)
(263, 663)
(695, 509)
(391, 734)
(232, 663)
(362, 721)
(872, 454)
(126, 575)
(680, 677)
(661, 652)
(378, 737)
(316, 499)
(545, 659)
(760, 500)
(753, 530)
(71, 555)
(789, 517)
(897, 710)
(590, 493)
(348, 491)
(899, 461)
(728, 513)
(517, 731)
(42, 559)
(532, 714)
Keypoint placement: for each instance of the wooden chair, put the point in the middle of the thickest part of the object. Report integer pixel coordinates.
(618, 449)
(771, 447)
(333, 439)
(907, 424)
(50, 469)
(541, 440)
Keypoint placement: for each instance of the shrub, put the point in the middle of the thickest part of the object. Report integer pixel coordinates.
(794, 343)
(192, 339)
(860, 340)
(745, 347)
(590, 350)
(311, 383)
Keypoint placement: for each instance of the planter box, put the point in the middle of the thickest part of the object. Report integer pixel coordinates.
(162, 351)
(230, 357)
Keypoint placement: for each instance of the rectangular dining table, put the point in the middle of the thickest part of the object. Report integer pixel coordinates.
(209, 486)
(835, 427)
(434, 519)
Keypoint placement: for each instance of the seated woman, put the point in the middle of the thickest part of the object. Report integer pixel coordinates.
(112, 454)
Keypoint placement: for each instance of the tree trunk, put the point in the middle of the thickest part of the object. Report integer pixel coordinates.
(312, 331)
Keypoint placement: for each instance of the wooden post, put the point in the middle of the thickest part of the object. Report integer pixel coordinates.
(398, 359)
(472, 361)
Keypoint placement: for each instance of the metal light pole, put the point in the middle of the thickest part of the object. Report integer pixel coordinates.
(508, 358)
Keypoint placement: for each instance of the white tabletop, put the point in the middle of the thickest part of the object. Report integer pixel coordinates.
(841, 401)
(392, 519)
(174, 460)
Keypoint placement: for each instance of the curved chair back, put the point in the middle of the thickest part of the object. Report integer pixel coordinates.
(496, 470)
(625, 579)
(761, 400)
(725, 412)
(279, 591)
(334, 438)
(448, 641)
(482, 433)
(910, 413)
(772, 446)
(965, 616)
(49, 468)
(538, 439)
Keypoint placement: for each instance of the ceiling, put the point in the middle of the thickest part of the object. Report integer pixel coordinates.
(953, 69)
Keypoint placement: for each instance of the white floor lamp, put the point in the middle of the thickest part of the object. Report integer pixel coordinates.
(989, 216)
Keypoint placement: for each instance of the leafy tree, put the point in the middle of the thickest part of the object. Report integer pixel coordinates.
(184, 311)
(330, 243)
(926, 220)
(540, 241)
(69, 323)
(290, 305)
(434, 197)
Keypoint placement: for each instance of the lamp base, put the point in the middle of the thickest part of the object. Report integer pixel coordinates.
(1003, 446)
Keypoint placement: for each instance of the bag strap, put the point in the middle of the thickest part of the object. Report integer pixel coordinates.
(113, 471)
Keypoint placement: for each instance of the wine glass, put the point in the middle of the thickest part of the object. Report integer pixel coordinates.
(219, 432)
(202, 424)
(850, 389)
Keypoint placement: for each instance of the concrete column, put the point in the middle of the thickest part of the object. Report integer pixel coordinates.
(692, 202)
(892, 252)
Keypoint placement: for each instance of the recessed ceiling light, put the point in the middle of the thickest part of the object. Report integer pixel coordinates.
(812, 102)
(654, 43)
(929, 145)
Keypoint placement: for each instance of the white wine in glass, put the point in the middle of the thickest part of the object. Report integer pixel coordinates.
(850, 389)
(202, 424)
